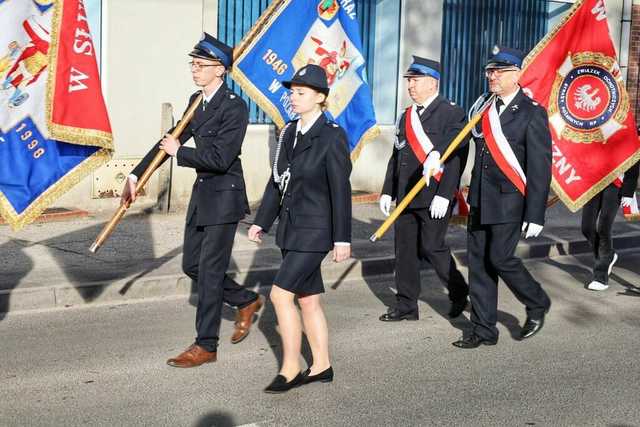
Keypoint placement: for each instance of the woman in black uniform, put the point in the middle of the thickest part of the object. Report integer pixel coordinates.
(310, 193)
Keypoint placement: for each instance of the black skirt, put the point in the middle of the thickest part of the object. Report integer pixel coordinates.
(300, 272)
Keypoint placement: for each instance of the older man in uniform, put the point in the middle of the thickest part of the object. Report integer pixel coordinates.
(218, 200)
(424, 131)
(508, 195)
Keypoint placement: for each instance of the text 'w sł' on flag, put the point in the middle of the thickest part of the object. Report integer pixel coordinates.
(293, 33)
(574, 73)
(54, 127)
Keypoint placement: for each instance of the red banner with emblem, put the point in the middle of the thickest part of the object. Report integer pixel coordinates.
(574, 73)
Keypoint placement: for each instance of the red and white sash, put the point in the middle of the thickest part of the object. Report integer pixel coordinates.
(500, 149)
(418, 140)
(461, 208)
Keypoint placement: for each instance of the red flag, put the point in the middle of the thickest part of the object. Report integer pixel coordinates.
(79, 114)
(573, 72)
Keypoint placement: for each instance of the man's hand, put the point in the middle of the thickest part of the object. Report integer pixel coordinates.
(431, 165)
(439, 206)
(170, 145)
(532, 230)
(626, 202)
(385, 204)
(255, 233)
(128, 192)
(341, 252)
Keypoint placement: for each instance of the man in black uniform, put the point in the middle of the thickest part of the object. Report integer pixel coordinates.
(424, 131)
(508, 194)
(218, 200)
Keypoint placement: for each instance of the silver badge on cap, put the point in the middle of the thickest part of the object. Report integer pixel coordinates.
(302, 72)
(495, 50)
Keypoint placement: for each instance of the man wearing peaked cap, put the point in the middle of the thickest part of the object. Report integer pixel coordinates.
(218, 199)
(421, 67)
(210, 48)
(424, 131)
(505, 57)
(508, 196)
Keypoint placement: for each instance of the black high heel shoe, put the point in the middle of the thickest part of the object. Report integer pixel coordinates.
(280, 384)
(325, 376)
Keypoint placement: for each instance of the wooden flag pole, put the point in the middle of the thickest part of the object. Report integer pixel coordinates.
(142, 181)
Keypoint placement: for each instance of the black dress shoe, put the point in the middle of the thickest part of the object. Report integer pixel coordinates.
(280, 384)
(474, 341)
(395, 315)
(325, 376)
(531, 327)
(457, 307)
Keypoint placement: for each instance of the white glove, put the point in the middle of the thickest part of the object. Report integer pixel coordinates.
(431, 165)
(439, 206)
(533, 230)
(626, 201)
(385, 204)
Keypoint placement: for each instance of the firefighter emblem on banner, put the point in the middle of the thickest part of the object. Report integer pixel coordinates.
(588, 103)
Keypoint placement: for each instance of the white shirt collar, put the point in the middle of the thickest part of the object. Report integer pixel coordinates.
(428, 101)
(208, 99)
(507, 99)
(305, 129)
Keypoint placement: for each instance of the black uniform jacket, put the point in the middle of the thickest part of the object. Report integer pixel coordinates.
(316, 207)
(442, 121)
(630, 182)
(526, 127)
(218, 194)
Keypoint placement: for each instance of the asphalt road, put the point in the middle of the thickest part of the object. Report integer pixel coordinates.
(105, 365)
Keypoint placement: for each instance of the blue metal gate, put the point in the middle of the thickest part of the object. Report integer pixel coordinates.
(471, 28)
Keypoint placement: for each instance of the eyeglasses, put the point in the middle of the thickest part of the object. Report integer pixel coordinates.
(196, 66)
(498, 71)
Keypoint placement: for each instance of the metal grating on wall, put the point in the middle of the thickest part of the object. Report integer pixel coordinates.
(471, 28)
(235, 18)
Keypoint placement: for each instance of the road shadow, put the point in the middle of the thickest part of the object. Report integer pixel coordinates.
(433, 292)
(21, 264)
(215, 419)
(129, 250)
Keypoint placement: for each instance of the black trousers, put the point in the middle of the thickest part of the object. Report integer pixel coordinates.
(418, 236)
(205, 260)
(491, 250)
(597, 221)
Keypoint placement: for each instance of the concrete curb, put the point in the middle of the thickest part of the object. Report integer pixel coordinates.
(132, 288)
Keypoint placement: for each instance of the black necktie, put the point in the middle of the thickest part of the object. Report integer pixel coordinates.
(204, 104)
(499, 104)
(419, 109)
(298, 139)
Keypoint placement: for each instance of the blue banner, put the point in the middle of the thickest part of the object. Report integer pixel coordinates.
(294, 34)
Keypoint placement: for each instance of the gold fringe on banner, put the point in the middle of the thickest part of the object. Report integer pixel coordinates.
(78, 136)
(550, 35)
(54, 192)
(574, 206)
(72, 135)
(248, 41)
(258, 27)
(368, 136)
